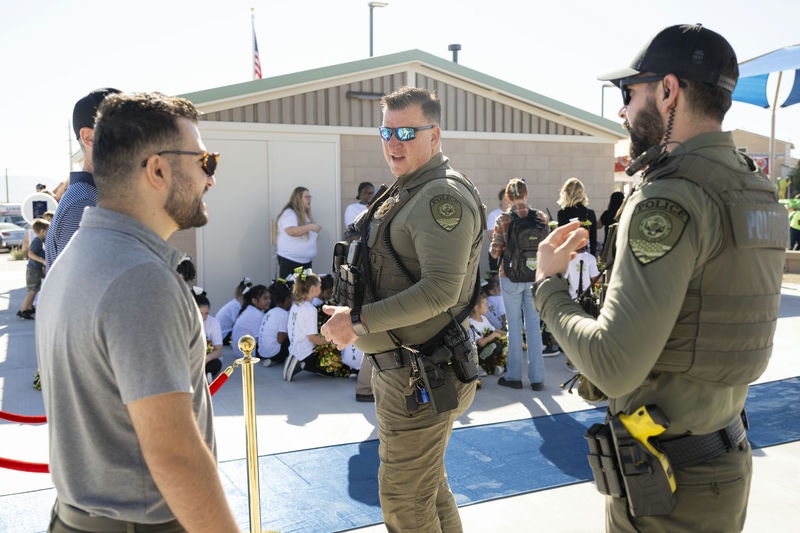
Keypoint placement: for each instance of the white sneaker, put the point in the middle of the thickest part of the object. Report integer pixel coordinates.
(498, 370)
(267, 362)
(286, 366)
(292, 368)
(481, 372)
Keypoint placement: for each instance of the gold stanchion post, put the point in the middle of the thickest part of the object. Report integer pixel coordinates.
(247, 344)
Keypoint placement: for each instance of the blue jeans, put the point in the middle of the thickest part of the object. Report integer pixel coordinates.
(521, 314)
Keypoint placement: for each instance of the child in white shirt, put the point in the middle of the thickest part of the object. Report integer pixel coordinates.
(490, 341)
(581, 271)
(302, 326)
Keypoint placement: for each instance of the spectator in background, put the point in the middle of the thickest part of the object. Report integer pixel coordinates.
(518, 300)
(365, 192)
(296, 233)
(212, 331)
(494, 264)
(81, 192)
(227, 313)
(34, 273)
(608, 216)
(255, 302)
(574, 202)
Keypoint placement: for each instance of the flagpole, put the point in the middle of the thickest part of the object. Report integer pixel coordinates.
(254, 55)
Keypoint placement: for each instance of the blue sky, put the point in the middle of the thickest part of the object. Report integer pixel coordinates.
(52, 56)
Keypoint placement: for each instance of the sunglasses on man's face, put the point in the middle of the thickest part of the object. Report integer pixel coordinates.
(209, 164)
(625, 84)
(405, 133)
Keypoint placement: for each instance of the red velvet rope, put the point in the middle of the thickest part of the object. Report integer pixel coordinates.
(218, 382)
(23, 466)
(11, 417)
(11, 464)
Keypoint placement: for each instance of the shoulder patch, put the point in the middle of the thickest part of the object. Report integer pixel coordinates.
(446, 210)
(656, 226)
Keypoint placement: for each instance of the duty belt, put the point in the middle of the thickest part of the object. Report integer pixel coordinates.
(390, 360)
(692, 450)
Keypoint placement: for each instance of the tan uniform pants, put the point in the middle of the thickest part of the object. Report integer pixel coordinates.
(414, 492)
(712, 497)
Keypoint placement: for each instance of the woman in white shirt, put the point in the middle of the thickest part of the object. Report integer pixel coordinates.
(296, 233)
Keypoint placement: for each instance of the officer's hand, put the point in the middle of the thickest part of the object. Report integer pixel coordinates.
(339, 327)
(556, 251)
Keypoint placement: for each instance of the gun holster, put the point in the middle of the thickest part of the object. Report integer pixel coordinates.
(623, 466)
(440, 388)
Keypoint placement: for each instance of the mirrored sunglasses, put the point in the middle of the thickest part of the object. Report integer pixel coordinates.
(404, 133)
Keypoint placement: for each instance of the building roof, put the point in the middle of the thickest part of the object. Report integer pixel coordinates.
(410, 61)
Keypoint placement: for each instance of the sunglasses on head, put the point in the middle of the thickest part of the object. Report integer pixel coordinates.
(210, 160)
(405, 133)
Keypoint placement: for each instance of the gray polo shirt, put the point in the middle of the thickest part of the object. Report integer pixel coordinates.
(115, 324)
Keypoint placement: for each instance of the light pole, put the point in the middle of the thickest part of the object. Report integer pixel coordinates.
(603, 97)
(373, 5)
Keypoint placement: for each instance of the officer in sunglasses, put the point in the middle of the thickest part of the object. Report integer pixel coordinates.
(692, 299)
(422, 240)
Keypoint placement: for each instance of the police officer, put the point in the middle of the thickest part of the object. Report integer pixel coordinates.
(692, 300)
(421, 270)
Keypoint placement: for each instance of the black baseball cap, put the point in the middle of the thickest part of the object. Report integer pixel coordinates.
(85, 109)
(689, 51)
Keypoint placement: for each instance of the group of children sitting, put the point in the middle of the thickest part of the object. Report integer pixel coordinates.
(284, 319)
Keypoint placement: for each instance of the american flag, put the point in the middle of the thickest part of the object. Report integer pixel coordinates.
(256, 60)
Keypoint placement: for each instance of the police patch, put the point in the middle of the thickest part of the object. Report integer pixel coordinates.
(656, 226)
(446, 211)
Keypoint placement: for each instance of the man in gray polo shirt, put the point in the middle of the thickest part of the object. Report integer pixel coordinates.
(120, 341)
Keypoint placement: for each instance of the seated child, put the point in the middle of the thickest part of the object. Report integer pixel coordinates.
(227, 313)
(496, 308)
(302, 327)
(490, 341)
(213, 334)
(256, 302)
(273, 339)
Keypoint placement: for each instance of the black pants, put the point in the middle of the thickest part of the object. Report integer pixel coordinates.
(287, 266)
(214, 366)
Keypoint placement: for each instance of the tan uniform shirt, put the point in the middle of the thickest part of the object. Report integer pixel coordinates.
(434, 234)
(619, 349)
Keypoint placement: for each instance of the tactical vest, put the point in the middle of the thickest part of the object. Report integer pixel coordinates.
(390, 275)
(727, 321)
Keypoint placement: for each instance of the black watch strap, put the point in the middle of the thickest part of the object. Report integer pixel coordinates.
(358, 327)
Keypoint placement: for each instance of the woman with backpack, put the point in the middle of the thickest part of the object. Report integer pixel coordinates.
(574, 202)
(517, 233)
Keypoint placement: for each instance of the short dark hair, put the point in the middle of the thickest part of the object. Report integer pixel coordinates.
(406, 96)
(130, 127)
(707, 100)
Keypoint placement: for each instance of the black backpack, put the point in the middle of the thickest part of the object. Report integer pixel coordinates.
(522, 241)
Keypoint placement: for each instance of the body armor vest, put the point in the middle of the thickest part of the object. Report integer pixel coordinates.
(726, 324)
(390, 274)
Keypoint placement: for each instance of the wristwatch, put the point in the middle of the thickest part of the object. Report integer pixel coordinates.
(358, 326)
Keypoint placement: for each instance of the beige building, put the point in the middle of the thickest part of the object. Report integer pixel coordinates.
(318, 129)
(757, 147)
